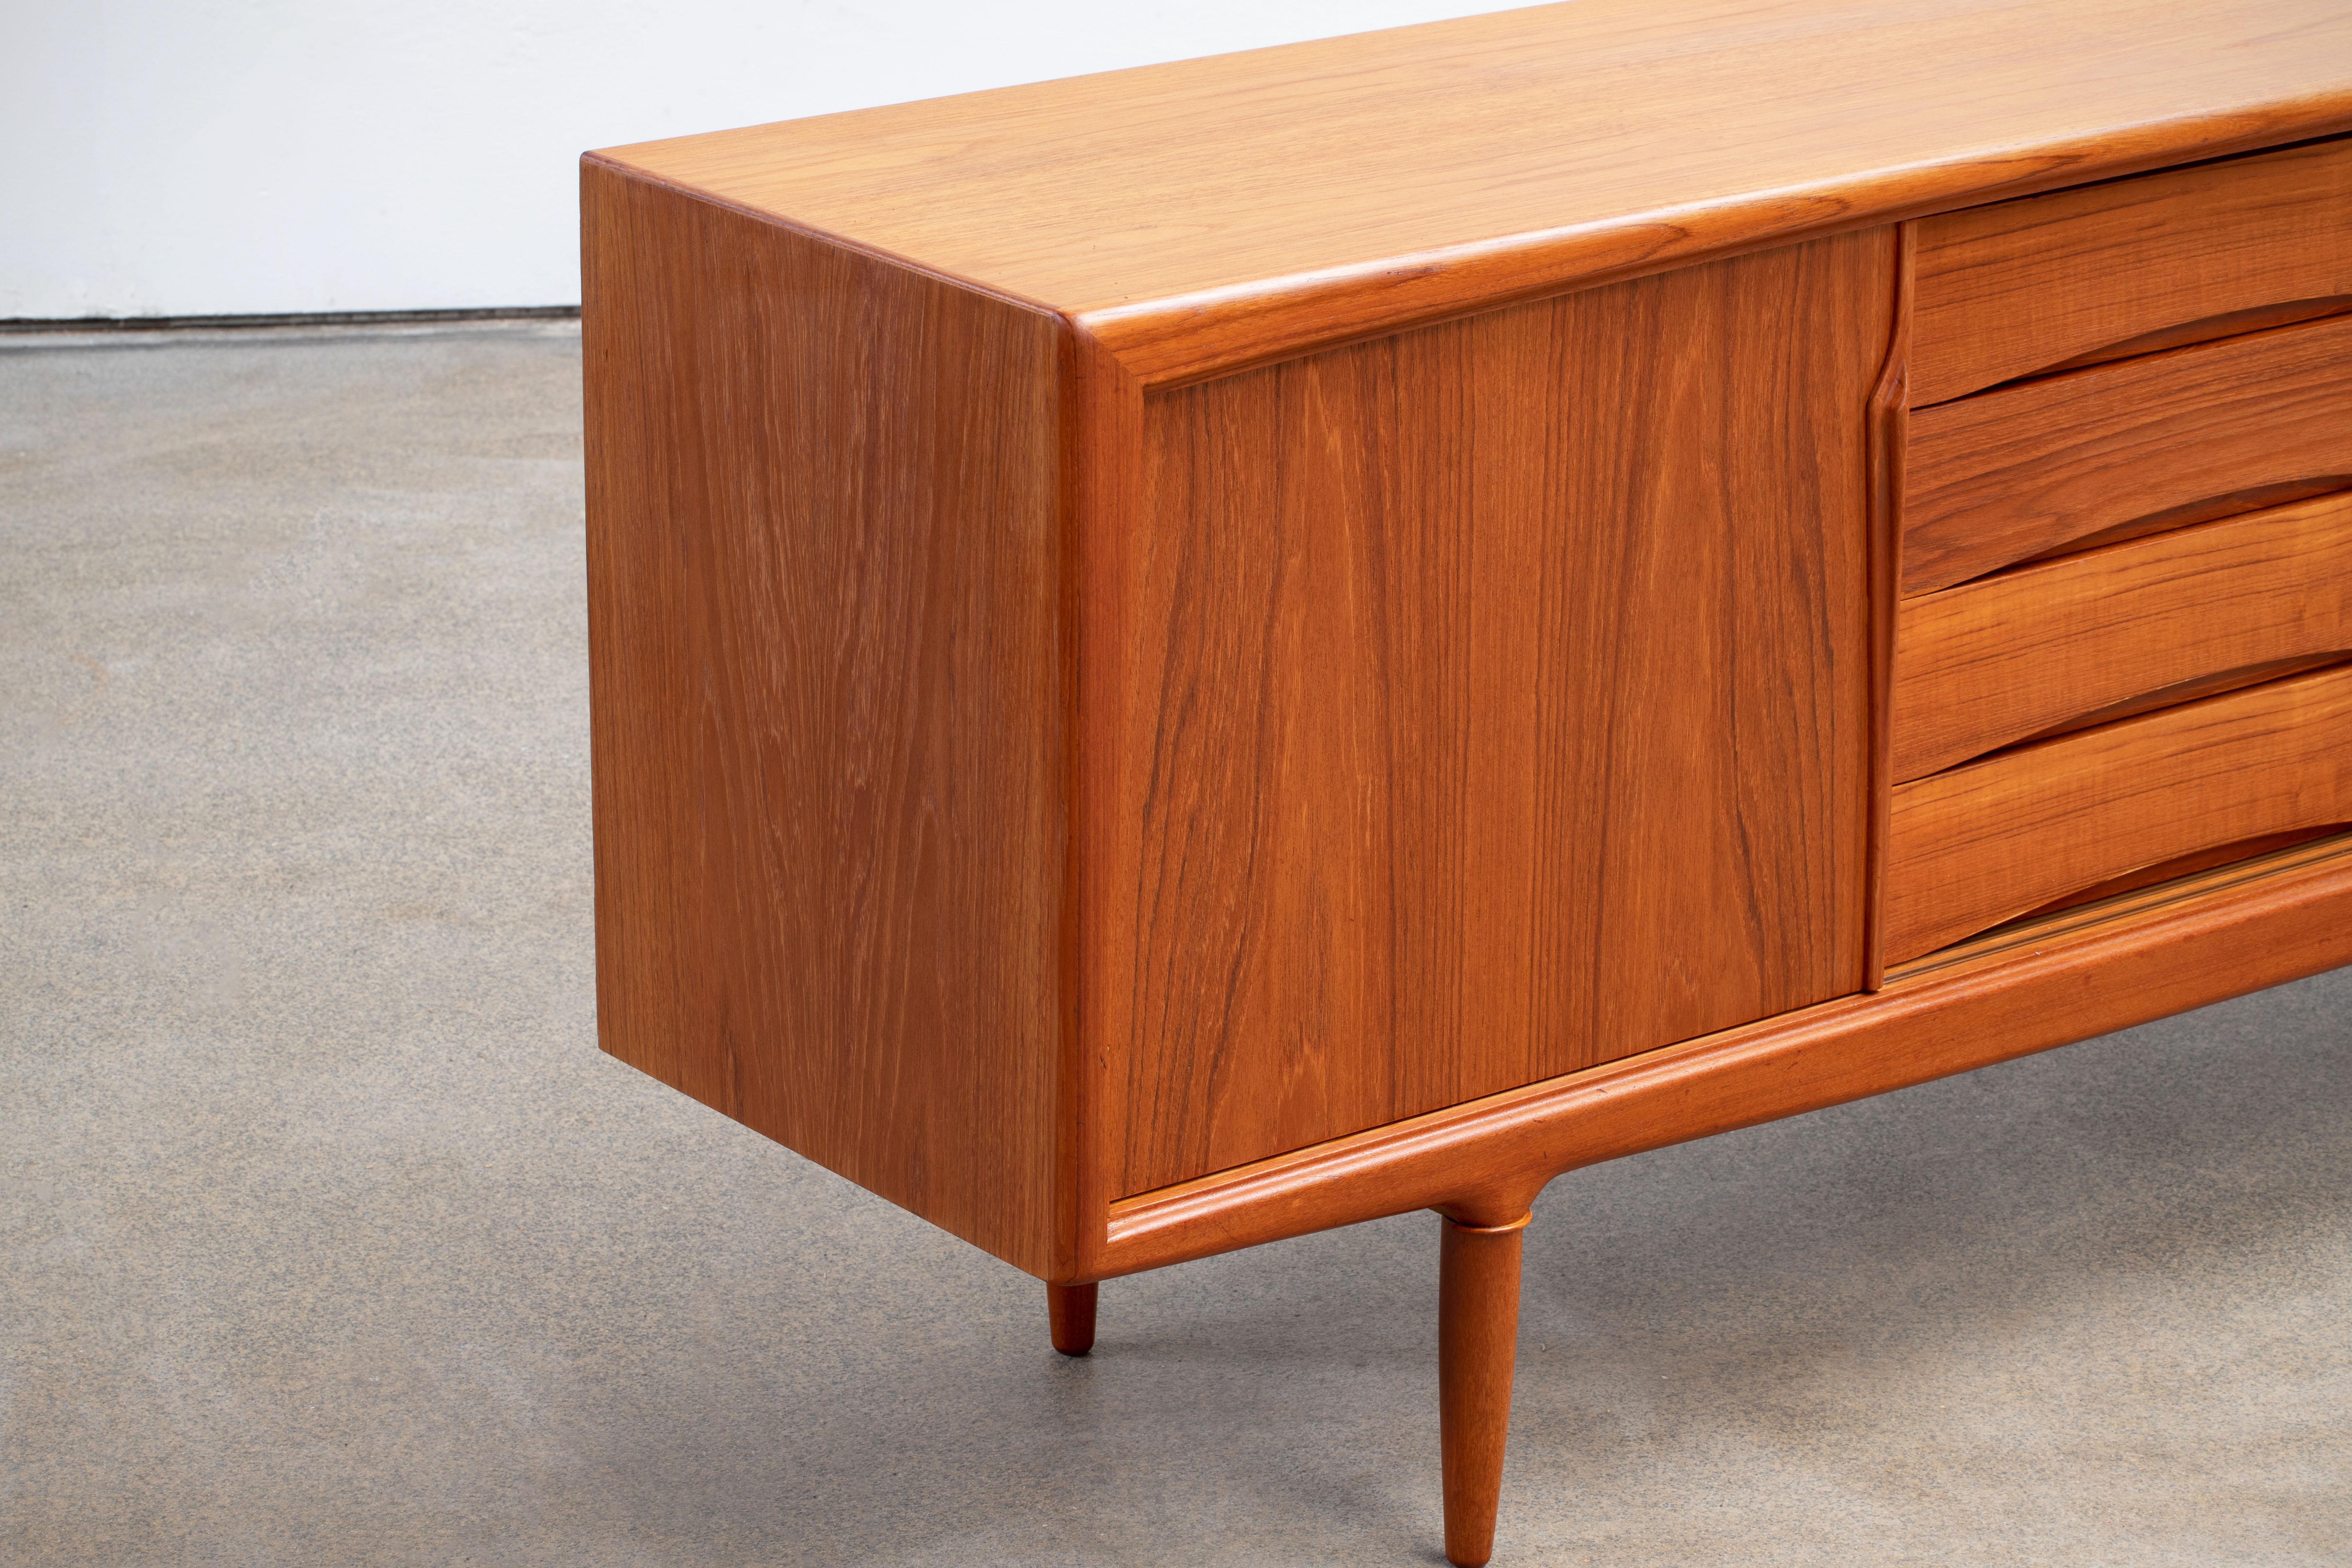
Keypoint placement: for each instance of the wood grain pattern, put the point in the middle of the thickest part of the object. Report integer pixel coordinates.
(827, 701)
(2019, 654)
(1976, 845)
(1207, 214)
(2022, 287)
(1495, 701)
(2030, 470)
(2079, 974)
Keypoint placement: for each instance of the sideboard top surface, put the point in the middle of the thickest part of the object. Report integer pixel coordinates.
(1205, 214)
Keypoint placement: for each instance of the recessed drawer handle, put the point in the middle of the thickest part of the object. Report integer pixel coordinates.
(1971, 847)
(2149, 623)
(2000, 479)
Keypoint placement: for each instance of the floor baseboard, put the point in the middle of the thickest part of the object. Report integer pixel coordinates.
(300, 319)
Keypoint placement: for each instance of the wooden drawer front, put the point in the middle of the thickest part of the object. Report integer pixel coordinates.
(2008, 291)
(1991, 663)
(2033, 468)
(1985, 843)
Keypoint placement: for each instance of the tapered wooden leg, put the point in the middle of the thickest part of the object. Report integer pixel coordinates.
(1071, 1309)
(1478, 1338)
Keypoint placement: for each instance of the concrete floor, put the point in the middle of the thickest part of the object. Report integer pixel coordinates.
(329, 1236)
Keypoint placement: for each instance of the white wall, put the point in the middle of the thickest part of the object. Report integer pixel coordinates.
(213, 157)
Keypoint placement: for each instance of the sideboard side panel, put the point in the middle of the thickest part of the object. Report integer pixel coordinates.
(826, 721)
(1496, 704)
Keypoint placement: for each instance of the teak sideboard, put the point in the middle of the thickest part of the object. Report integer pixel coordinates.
(1189, 655)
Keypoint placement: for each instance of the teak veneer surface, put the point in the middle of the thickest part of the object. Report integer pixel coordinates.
(826, 718)
(1203, 213)
(1978, 845)
(1495, 701)
(2018, 472)
(2021, 653)
(2067, 977)
(2023, 287)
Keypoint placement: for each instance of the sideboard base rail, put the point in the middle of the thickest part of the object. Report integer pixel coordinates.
(2039, 984)
(2079, 974)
